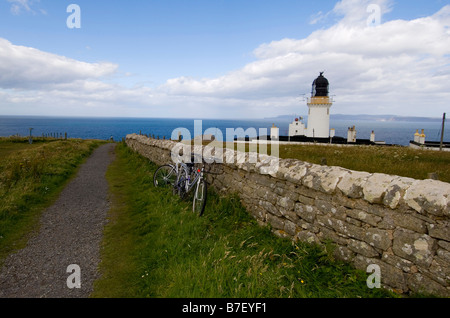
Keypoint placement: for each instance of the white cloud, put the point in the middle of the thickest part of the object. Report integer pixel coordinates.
(19, 6)
(28, 68)
(318, 17)
(399, 67)
(356, 12)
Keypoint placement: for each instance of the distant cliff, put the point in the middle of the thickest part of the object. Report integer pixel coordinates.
(371, 118)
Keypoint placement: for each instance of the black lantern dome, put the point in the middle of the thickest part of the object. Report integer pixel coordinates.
(320, 87)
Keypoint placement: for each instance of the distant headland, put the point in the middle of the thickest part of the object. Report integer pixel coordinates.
(383, 118)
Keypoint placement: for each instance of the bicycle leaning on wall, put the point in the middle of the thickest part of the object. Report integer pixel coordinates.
(185, 179)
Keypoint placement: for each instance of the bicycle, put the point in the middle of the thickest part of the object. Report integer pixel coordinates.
(168, 174)
(182, 177)
(189, 177)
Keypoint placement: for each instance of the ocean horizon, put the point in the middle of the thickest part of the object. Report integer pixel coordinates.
(391, 132)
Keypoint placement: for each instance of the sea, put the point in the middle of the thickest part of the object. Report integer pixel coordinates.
(391, 132)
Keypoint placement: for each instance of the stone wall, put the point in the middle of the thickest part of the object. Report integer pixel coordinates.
(400, 224)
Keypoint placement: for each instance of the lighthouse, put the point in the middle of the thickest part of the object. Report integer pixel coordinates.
(319, 109)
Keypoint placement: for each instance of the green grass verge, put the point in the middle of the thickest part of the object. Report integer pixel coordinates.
(401, 161)
(31, 177)
(154, 246)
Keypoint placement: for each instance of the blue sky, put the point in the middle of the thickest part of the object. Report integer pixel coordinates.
(221, 58)
(160, 39)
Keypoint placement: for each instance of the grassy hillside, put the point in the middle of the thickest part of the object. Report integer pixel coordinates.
(31, 177)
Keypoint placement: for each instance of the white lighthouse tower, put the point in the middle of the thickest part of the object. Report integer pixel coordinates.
(319, 109)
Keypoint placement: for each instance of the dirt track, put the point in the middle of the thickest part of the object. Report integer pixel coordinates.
(70, 233)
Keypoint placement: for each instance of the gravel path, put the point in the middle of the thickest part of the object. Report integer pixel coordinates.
(70, 233)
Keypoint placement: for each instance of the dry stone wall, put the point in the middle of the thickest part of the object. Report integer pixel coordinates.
(400, 224)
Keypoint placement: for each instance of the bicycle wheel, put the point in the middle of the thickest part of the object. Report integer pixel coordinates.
(165, 176)
(200, 196)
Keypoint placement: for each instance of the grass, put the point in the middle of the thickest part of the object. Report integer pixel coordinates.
(31, 177)
(401, 161)
(155, 246)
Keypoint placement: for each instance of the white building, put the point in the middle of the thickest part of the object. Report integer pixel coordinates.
(351, 134)
(318, 128)
(420, 138)
(297, 128)
(274, 133)
(319, 112)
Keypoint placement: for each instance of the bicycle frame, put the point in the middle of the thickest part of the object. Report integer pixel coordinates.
(189, 183)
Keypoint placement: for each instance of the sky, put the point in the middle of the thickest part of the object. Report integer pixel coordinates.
(222, 58)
